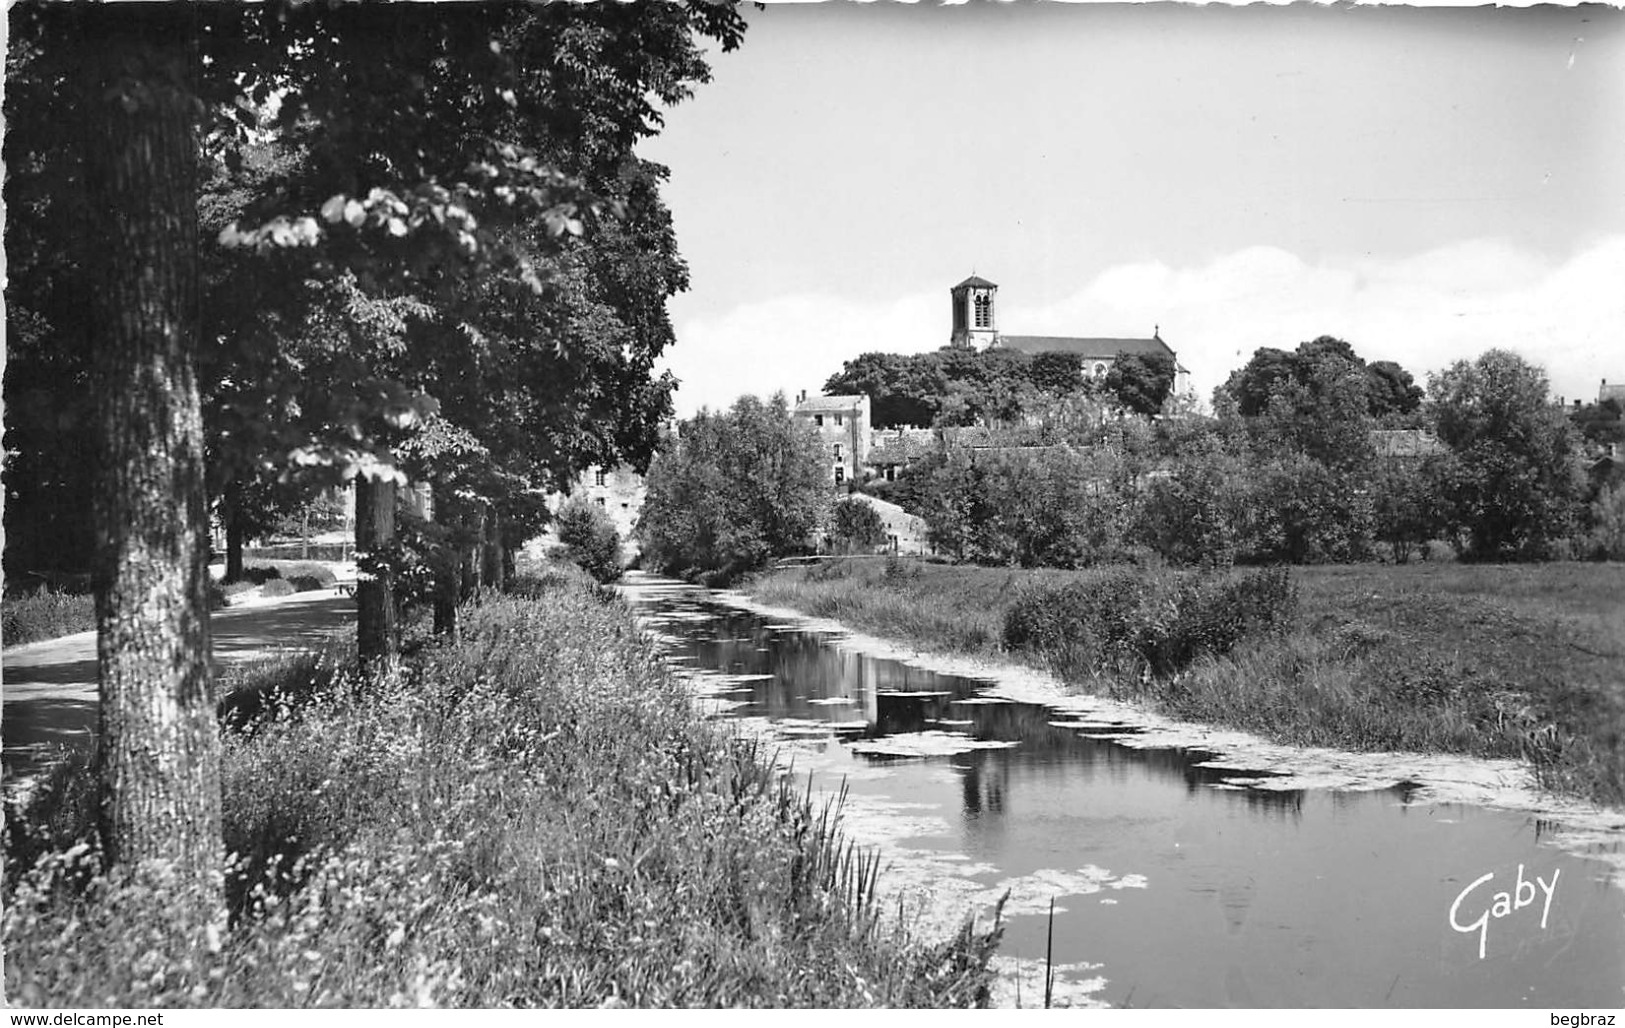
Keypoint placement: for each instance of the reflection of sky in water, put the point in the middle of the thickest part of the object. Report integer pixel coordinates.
(1173, 884)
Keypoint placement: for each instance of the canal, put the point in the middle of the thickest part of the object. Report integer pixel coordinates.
(1174, 883)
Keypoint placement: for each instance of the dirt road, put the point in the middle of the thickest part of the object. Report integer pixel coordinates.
(50, 687)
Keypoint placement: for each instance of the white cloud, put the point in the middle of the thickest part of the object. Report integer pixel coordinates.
(791, 343)
(1423, 311)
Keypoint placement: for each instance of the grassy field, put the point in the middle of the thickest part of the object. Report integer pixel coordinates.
(1523, 661)
(534, 816)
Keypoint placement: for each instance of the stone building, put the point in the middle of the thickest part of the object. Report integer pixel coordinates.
(842, 425)
(620, 491)
(975, 326)
(892, 450)
(1615, 392)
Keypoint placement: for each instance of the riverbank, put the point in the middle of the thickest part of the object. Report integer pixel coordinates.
(1507, 622)
(536, 815)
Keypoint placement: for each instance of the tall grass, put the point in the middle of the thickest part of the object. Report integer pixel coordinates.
(1525, 661)
(46, 614)
(534, 815)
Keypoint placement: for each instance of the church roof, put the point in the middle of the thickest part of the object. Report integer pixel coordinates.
(976, 281)
(1087, 347)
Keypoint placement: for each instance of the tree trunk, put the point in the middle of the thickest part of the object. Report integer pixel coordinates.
(491, 551)
(158, 756)
(376, 641)
(234, 534)
(445, 610)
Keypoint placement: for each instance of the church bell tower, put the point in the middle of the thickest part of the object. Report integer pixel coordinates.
(974, 326)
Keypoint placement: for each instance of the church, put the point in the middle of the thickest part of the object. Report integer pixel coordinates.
(975, 326)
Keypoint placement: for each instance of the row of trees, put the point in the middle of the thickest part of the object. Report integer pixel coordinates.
(1288, 470)
(257, 250)
(1294, 476)
(951, 386)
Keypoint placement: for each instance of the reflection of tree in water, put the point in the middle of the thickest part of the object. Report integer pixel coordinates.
(805, 666)
(1281, 803)
(983, 782)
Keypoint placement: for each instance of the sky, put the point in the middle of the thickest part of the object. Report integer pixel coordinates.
(1425, 183)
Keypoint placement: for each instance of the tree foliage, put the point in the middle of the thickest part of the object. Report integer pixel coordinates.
(590, 539)
(1055, 506)
(1388, 389)
(1511, 481)
(734, 489)
(1599, 424)
(958, 387)
(411, 213)
(855, 526)
(1141, 382)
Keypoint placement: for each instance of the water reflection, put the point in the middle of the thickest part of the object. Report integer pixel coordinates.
(1180, 883)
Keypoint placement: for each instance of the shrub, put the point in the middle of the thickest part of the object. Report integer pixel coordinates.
(306, 583)
(590, 539)
(298, 569)
(252, 695)
(46, 614)
(1210, 615)
(1606, 540)
(1300, 511)
(830, 570)
(1192, 515)
(537, 582)
(1153, 623)
(277, 587)
(855, 526)
(1079, 623)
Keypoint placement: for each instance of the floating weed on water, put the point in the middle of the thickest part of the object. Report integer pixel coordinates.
(1032, 893)
(1020, 981)
(919, 745)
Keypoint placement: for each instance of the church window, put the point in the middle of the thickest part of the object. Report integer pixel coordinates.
(598, 477)
(818, 419)
(837, 421)
(984, 310)
(840, 473)
(837, 451)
